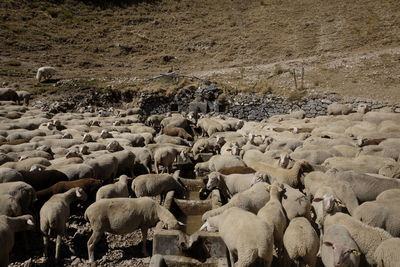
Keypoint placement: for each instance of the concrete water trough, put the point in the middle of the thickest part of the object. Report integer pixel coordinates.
(188, 246)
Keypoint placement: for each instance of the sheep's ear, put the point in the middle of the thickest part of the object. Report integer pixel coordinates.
(356, 252)
(339, 203)
(30, 222)
(78, 193)
(318, 199)
(181, 223)
(328, 244)
(268, 188)
(204, 226)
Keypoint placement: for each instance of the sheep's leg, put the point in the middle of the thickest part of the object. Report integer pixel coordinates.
(231, 258)
(58, 247)
(46, 245)
(93, 240)
(144, 241)
(156, 167)
(147, 168)
(245, 258)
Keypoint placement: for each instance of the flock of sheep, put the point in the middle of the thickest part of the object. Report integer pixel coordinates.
(297, 189)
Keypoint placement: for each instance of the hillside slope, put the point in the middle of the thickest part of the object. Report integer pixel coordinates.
(350, 47)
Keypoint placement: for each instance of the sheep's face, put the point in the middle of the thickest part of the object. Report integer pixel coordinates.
(66, 136)
(284, 160)
(114, 146)
(87, 138)
(260, 177)
(214, 179)
(36, 167)
(341, 255)
(105, 134)
(84, 150)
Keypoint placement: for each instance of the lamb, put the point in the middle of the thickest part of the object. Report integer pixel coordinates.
(301, 242)
(287, 176)
(338, 248)
(384, 214)
(253, 199)
(166, 156)
(367, 238)
(9, 226)
(118, 189)
(158, 184)
(339, 109)
(247, 236)
(234, 183)
(273, 214)
(125, 215)
(387, 253)
(45, 73)
(54, 215)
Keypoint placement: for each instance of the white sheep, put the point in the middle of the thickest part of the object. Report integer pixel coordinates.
(273, 214)
(338, 248)
(253, 199)
(165, 156)
(217, 162)
(117, 189)
(9, 226)
(387, 253)
(325, 202)
(247, 236)
(125, 215)
(158, 184)
(301, 242)
(389, 194)
(234, 183)
(367, 238)
(44, 73)
(54, 215)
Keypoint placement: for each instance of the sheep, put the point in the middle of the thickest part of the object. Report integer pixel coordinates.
(118, 189)
(236, 169)
(366, 237)
(278, 159)
(166, 139)
(176, 131)
(54, 215)
(387, 253)
(166, 156)
(338, 248)
(26, 164)
(125, 215)
(8, 94)
(23, 194)
(77, 171)
(158, 184)
(234, 183)
(143, 157)
(155, 120)
(9, 226)
(209, 126)
(17, 156)
(89, 185)
(41, 179)
(10, 175)
(295, 203)
(247, 236)
(45, 73)
(126, 160)
(366, 187)
(105, 167)
(384, 214)
(217, 162)
(287, 176)
(389, 194)
(301, 242)
(24, 96)
(361, 164)
(339, 109)
(273, 214)
(253, 199)
(325, 201)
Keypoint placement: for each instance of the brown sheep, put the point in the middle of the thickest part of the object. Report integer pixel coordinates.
(40, 180)
(176, 131)
(89, 185)
(237, 170)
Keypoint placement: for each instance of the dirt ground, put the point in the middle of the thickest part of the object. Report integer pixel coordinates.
(348, 47)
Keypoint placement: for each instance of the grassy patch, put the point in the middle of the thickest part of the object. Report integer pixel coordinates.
(296, 95)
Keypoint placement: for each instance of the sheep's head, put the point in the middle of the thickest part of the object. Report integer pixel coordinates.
(66, 136)
(214, 180)
(84, 150)
(116, 123)
(114, 146)
(105, 134)
(45, 149)
(341, 254)
(23, 157)
(284, 160)
(37, 167)
(330, 205)
(73, 154)
(87, 138)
